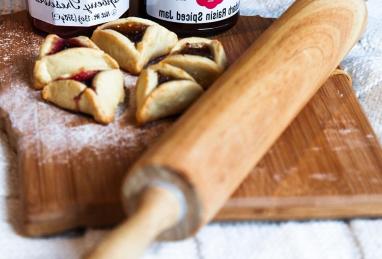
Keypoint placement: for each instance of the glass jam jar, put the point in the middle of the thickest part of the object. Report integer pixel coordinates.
(68, 18)
(193, 17)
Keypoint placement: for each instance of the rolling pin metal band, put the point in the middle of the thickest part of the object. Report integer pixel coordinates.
(158, 176)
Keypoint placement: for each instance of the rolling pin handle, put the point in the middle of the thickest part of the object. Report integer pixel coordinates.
(160, 208)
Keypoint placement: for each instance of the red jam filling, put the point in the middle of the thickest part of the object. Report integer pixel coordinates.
(133, 31)
(156, 60)
(62, 44)
(202, 50)
(85, 77)
(162, 78)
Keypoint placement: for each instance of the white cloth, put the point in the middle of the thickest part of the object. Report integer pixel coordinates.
(356, 239)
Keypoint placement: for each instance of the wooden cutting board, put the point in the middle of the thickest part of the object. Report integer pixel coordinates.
(328, 164)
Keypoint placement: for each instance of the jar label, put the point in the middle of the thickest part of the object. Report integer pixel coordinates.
(192, 11)
(79, 13)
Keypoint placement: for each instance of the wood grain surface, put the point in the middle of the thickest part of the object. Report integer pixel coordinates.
(328, 164)
(214, 146)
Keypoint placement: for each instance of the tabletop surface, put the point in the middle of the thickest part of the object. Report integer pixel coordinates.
(355, 239)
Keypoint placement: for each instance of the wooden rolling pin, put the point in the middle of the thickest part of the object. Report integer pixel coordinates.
(180, 183)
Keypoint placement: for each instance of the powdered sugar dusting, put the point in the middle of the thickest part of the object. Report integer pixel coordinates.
(324, 176)
(36, 123)
(57, 130)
